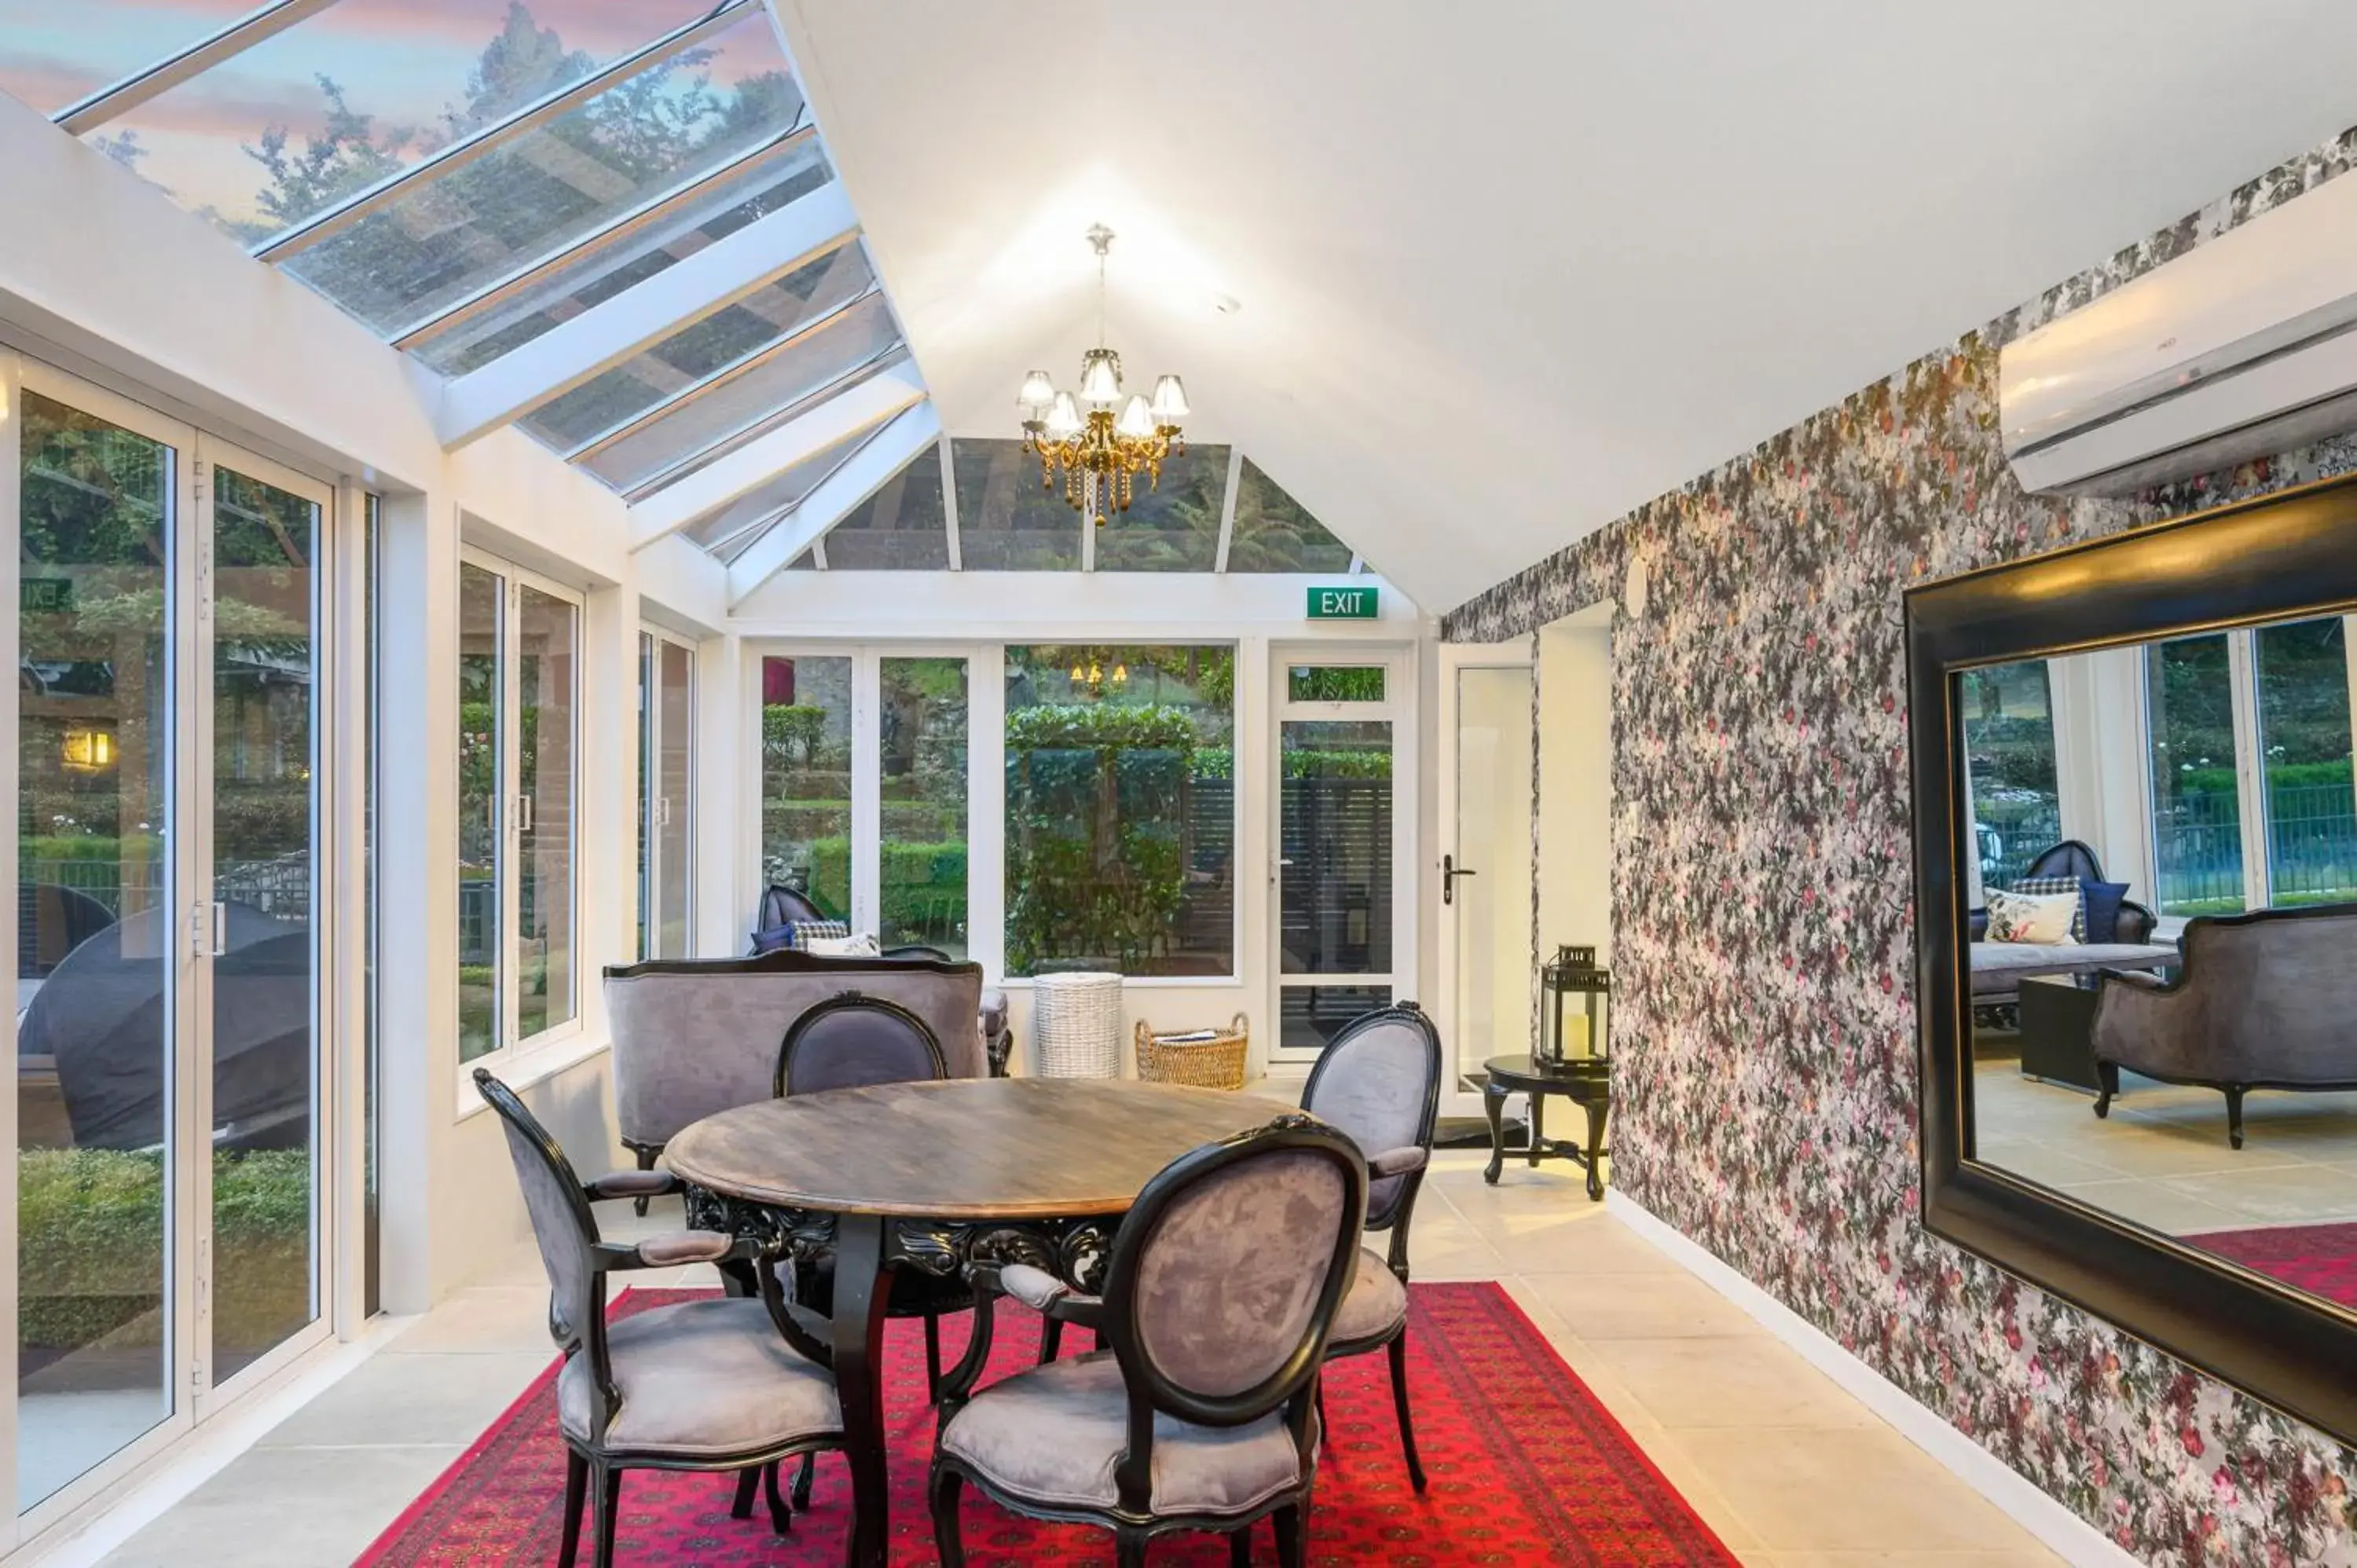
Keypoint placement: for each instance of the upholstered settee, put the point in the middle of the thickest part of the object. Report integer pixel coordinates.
(1998, 967)
(700, 1035)
(2261, 1000)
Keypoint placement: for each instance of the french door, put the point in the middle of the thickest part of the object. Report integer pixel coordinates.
(174, 1123)
(1487, 886)
(1345, 821)
(667, 801)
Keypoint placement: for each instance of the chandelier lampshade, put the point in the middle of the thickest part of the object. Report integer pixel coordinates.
(1080, 437)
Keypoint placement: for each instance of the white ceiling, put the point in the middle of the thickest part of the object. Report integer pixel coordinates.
(1509, 269)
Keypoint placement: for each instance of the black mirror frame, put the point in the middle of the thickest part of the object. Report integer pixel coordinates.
(2286, 557)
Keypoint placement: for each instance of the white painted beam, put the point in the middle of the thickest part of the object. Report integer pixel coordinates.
(640, 316)
(865, 472)
(714, 486)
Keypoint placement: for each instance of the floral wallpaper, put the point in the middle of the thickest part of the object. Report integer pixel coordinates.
(1764, 936)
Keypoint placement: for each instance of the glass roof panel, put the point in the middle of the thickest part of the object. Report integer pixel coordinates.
(437, 244)
(903, 527)
(1175, 526)
(53, 56)
(639, 385)
(734, 199)
(834, 347)
(728, 531)
(1274, 533)
(277, 136)
(1005, 521)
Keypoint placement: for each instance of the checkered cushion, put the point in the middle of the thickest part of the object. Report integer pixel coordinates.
(800, 932)
(2049, 885)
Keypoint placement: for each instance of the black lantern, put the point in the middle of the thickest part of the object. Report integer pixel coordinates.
(1582, 1038)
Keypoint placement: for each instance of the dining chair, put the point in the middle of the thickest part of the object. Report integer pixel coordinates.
(855, 1041)
(707, 1385)
(1379, 1082)
(1219, 1291)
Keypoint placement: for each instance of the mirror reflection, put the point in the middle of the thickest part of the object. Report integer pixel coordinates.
(2162, 871)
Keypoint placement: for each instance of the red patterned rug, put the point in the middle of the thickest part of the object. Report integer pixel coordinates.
(2318, 1259)
(1526, 1468)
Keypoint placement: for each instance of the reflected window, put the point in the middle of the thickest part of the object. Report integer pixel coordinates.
(922, 752)
(2197, 813)
(2016, 803)
(2303, 681)
(806, 779)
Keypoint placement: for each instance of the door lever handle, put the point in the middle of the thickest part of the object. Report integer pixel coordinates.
(1450, 871)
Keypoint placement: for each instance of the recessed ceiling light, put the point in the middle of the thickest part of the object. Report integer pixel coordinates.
(1226, 303)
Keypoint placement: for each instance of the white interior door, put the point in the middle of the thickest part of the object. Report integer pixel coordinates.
(1485, 874)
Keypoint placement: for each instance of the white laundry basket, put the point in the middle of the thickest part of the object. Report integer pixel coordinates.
(1076, 1026)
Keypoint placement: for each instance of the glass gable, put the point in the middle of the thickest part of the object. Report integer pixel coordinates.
(1007, 522)
(437, 244)
(1173, 526)
(728, 531)
(702, 347)
(903, 527)
(1274, 533)
(277, 136)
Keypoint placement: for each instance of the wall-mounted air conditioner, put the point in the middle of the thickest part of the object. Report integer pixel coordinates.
(2244, 347)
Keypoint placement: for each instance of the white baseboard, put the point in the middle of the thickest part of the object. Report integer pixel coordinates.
(2070, 1537)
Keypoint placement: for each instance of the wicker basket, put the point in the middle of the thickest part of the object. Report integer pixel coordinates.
(1216, 1062)
(1076, 1026)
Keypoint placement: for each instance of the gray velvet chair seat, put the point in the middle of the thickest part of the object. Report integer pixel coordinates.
(1377, 1302)
(702, 1379)
(1052, 1435)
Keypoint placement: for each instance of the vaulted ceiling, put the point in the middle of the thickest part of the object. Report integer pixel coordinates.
(1507, 270)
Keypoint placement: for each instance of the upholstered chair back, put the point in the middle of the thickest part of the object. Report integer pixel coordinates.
(1224, 1279)
(2264, 998)
(1380, 1082)
(562, 1222)
(695, 1038)
(850, 1041)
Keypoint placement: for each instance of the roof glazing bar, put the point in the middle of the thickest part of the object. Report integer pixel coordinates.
(769, 519)
(1228, 506)
(121, 97)
(468, 148)
(769, 420)
(670, 203)
(713, 381)
(900, 443)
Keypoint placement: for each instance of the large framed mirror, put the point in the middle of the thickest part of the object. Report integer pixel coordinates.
(2135, 843)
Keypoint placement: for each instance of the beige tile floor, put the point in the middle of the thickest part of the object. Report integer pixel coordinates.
(2161, 1159)
(1788, 1468)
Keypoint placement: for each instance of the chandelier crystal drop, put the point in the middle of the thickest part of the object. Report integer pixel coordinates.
(1098, 439)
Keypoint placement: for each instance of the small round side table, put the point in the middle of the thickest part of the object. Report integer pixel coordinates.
(1585, 1081)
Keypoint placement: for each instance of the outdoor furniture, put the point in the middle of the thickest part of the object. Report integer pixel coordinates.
(1586, 1082)
(693, 1036)
(1076, 1026)
(700, 1385)
(1380, 1082)
(926, 1178)
(1223, 1286)
(2262, 1000)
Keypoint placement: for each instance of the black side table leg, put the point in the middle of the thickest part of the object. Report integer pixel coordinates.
(1538, 1128)
(1598, 1113)
(1493, 1104)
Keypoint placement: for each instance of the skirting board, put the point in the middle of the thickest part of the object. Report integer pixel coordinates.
(2064, 1532)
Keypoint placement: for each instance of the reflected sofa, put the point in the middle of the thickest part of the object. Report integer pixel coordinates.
(1999, 968)
(2266, 1000)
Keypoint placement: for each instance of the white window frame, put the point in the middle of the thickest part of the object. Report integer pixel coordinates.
(1398, 708)
(516, 1055)
(651, 803)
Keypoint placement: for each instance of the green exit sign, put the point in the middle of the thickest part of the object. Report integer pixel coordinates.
(45, 595)
(1341, 604)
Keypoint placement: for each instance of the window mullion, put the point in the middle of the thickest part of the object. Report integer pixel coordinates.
(510, 875)
(866, 792)
(2250, 772)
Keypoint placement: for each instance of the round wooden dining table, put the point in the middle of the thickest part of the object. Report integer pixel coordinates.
(931, 1176)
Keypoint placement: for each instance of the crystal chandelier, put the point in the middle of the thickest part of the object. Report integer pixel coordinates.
(1101, 451)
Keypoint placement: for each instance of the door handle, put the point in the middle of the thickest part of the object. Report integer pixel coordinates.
(1450, 871)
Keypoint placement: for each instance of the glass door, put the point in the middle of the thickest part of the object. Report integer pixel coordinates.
(1488, 886)
(171, 1161)
(1341, 947)
(666, 774)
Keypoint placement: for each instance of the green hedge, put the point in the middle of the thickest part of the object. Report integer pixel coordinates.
(91, 1247)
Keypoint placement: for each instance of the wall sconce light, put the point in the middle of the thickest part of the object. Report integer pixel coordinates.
(89, 751)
